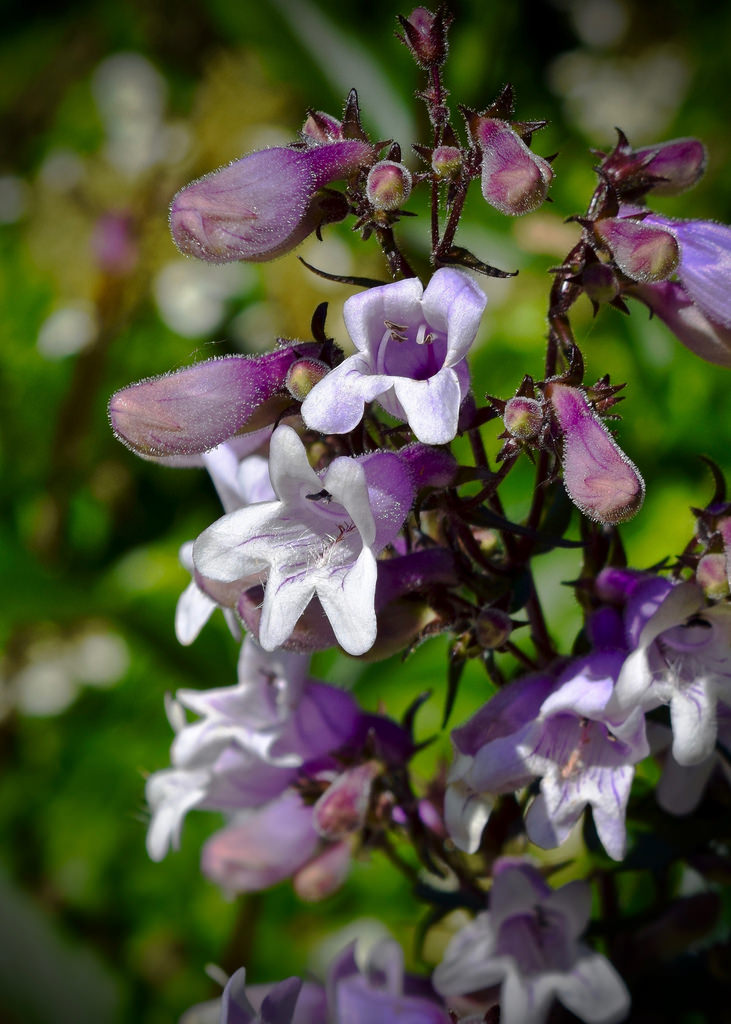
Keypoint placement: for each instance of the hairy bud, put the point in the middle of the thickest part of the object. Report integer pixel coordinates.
(446, 161)
(388, 185)
(681, 163)
(711, 575)
(303, 375)
(196, 408)
(644, 252)
(600, 283)
(523, 417)
(492, 628)
(343, 806)
(598, 477)
(514, 180)
(262, 205)
(425, 34)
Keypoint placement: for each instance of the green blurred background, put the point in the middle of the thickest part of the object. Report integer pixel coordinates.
(107, 109)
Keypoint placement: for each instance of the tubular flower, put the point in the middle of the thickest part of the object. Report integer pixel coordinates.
(529, 943)
(263, 205)
(411, 344)
(319, 538)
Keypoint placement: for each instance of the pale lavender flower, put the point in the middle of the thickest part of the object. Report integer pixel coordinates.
(411, 345)
(672, 304)
(360, 989)
(681, 787)
(279, 1006)
(529, 943)
(239, 482)
(380, 990)
(704, 270)
(583, 754)
(261, 846)
(697, 307)
(319, 538)
(249, 742)
(681, 656)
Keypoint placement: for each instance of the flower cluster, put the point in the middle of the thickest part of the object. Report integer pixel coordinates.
(350, 521)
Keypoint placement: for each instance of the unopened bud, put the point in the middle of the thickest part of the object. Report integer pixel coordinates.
(599, 478)
(263, 205)
(388, 185)
(196, 408)
(523, 417)
(600, 283)
(644, 252)
(681, 163)
(324, 874)
(446, 161)
(343, 806)
(320, 128)
(711, 575)
(514, 179)
(425, 34)
(303, 375)
(492, 628)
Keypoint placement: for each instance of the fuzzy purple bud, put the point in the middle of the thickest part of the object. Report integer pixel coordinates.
(492, 628)
(600, 283)
(644, 252)
(425, 34)
(598, 477)
(320, 127)
(303, 375)
(681, 163)
(523, 417)
(388, 185)
(446, 161)
(198, 407)
(263, 205)
(343, 806)
(711, 575)
(514, 179)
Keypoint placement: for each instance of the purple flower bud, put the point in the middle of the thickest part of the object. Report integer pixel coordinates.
(711, 575)
(425, 34)
(324, 874)
(680, 162)
(343, 806)
(194, 409)
(388, 185)
(446, 161)
(598, 477)
(514, 179)
(492, 628)
(600, 283)
(303, 375)
(320, 127)
(113, 243)
(523, 417)
(263, 205)
(644, 252)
